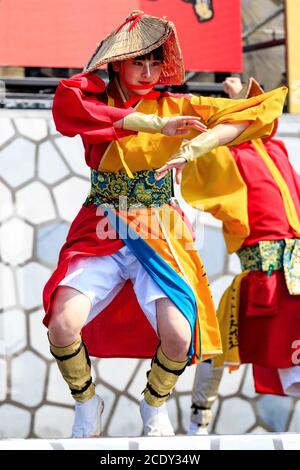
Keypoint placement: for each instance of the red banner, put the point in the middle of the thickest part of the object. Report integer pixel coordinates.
(57, 33)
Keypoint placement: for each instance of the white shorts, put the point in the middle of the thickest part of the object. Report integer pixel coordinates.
(290, 380)
(101, 278)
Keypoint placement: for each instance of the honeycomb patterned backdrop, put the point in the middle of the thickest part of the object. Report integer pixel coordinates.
(43, 182)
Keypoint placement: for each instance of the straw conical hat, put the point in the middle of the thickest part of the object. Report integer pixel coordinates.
(139, 35)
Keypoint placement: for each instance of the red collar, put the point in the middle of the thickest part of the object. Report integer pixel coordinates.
(133, 100)
(114, 91)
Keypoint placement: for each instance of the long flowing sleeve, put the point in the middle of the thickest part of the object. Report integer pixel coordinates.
(212, 182)
(78, 109)
(261, 111)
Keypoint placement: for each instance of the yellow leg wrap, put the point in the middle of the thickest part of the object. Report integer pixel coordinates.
(162, 378)
(75, 366)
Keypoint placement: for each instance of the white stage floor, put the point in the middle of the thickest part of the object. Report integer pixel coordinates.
(267, 441)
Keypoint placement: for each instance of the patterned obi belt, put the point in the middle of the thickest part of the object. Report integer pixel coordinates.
(121, 192)
(275, 255)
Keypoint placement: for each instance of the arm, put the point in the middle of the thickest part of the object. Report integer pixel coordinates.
(260, 109)
(244, 119)
(78, 109)
(151, 123)
(222, 134)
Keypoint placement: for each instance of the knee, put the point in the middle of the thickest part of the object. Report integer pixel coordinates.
(176, 346)
(61, 327)
(62, 322)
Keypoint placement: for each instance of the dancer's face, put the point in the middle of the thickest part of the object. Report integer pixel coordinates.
(138, 72)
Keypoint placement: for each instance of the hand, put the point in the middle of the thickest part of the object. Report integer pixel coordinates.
(182, 124)
(232, 86)
(177, 163)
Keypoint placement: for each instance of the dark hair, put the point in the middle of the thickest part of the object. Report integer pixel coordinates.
(157, 54)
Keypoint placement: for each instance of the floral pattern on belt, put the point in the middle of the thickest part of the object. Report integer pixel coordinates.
(108, 188)
(270, 255)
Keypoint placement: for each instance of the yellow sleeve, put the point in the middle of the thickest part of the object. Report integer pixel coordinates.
(213, 184)
(261, 111)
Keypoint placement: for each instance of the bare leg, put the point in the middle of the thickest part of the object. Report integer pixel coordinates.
(69, 311)
(167, 365)
(174, 331)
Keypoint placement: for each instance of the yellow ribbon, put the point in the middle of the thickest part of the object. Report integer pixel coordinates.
(288, 202)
